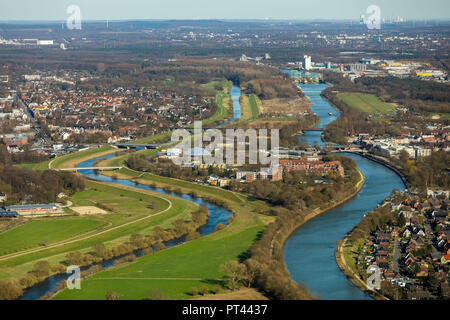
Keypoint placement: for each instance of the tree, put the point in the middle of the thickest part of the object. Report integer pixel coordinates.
(216, 289)
(10, 290)
(111, 295)
(74, 258)
(432, 283)
(100, 250)
(404, 157)
(204, 290)
(41, 269)
(235, 272)
(193, 291)
(401, 220)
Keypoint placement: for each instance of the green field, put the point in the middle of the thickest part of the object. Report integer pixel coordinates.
(367, 103)
(35, 166)
(184, 265)
(173, 271)
(44, 231)
(115, 228)
(250, 107)
(222, 100)
(60, 162)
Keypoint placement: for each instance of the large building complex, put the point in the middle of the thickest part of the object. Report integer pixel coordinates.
(313, 167)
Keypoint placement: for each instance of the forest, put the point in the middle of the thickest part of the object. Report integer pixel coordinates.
(34, 186)
(184, 76)
(37, 186)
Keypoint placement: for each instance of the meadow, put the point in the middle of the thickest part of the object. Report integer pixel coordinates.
(44, 231)
(367, 103)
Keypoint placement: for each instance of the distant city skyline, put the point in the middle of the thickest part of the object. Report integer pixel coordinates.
(231, 9)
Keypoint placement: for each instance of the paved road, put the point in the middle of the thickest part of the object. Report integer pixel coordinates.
(396, 257)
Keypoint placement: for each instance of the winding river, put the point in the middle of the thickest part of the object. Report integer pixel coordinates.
(216, 214)
(309, 252)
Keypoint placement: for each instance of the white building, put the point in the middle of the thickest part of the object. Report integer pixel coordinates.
(422, 152)
(306, 62)
(45, 42)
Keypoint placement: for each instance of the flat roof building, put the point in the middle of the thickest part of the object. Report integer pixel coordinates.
(28, 209)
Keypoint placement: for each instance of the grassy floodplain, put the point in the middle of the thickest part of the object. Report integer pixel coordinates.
(367, 103)
(129, 214)
(250, 107)
(130, 211)
(71, 160)
(222, 99)
(174, 271)
(40, 231)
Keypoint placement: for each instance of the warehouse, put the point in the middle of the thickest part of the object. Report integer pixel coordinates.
(31, 209)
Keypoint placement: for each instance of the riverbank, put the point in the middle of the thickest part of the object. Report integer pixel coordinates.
(315, 213)
(344, 265)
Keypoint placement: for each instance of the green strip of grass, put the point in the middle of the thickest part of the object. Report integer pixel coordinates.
(60, 161)
(182, 262)
(367, 103)
(44, 231)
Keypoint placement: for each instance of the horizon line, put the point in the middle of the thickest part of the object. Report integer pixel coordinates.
(218, 19)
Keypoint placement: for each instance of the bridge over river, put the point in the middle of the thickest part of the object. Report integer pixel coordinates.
(90, 168)
(136, 145)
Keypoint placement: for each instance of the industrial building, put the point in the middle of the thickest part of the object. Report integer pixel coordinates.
(34, 209)
(306, 62)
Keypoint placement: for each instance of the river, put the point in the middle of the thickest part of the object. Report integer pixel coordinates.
(216, 214)
(235, 94)
(309, 252)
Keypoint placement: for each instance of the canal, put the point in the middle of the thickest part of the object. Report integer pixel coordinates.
(309, 252)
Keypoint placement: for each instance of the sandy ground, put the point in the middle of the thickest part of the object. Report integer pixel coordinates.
(88, 210)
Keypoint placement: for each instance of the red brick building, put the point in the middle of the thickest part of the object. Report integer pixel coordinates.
(321, 168)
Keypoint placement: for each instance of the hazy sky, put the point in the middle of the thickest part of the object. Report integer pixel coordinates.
(221, 9)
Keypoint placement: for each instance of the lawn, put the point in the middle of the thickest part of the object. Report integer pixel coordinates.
(130, 208)
(250, 107)
(222, 99)
(367, 103)
(35, 166)
(44, 231)
(72, 159)
(172, 271)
